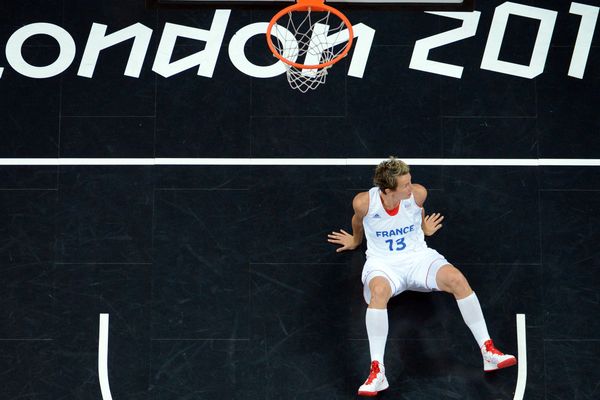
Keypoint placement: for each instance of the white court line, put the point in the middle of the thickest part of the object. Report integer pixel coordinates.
(522, 357)
(103, 358)
(516, 162)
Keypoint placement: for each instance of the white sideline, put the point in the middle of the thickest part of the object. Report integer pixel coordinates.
(517, 162)
(522, 357)
(103, 358)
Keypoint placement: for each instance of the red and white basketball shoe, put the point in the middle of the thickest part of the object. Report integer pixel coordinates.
(376, 382)
(494, 359)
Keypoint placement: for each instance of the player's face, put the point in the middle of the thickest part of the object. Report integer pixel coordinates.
(404, 188)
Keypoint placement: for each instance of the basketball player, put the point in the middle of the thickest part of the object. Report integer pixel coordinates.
(392, 217)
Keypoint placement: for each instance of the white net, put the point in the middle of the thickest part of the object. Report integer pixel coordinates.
(309, 38)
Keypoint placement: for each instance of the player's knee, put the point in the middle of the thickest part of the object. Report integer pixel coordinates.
(455, 281)
(461, 286)
(380, 292)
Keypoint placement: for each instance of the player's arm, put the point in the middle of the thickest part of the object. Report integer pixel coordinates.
(430, 223)
(352, 241)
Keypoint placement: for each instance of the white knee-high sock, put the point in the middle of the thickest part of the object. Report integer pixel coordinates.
(377, 330)
(473, 316)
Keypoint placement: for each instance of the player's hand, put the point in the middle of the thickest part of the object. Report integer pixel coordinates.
(343, 238)
(432, 223)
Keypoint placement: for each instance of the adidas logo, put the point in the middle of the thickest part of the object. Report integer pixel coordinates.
(376, 216)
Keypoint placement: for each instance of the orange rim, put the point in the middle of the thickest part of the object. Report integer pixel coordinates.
(315, 5)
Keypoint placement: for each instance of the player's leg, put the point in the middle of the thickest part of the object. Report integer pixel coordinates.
(451, 280)
(376, 318)
(378, 291)
(381, 292)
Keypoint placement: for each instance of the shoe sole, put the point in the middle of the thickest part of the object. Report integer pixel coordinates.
(370, 394)
(373, 394)
(504, 364)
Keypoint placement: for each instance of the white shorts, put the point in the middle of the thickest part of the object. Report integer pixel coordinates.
(415, 271)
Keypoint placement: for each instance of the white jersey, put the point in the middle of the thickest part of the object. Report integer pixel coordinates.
(393, 236)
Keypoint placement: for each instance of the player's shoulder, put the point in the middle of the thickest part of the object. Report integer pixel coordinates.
(420, 194)
(360, 203)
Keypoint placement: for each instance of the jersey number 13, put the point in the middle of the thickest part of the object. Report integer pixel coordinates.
(400, 245)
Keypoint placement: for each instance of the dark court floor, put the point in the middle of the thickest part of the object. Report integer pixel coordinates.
(220, 284)
(219, 281)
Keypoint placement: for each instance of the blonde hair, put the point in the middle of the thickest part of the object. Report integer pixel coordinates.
(387, 171)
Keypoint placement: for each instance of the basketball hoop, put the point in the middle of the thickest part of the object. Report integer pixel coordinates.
(311, 32)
